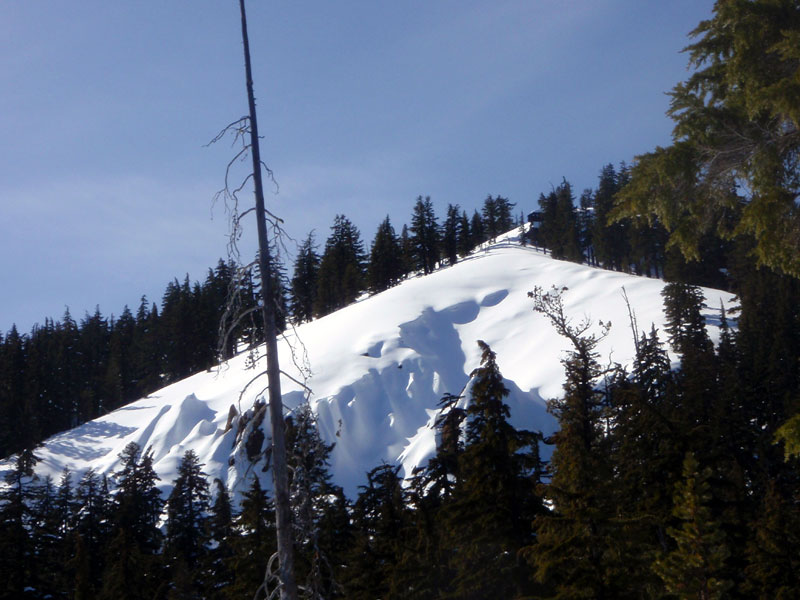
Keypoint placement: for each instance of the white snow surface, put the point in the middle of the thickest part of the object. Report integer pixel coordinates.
(379, 367)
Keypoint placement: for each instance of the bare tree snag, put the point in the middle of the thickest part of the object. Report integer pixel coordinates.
(288, 588)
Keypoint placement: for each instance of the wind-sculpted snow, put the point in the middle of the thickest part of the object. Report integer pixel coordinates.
(377, 370)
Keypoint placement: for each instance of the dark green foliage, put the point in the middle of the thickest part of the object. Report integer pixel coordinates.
(609, 240)
(380, 516)
(477, 231)
(736, 120)
(425, 237)
(465, 241)
(571, 556)
(304, 281)
(494, 501)
(559, 229)
(322, 530)
(450, 235)
(695, 568)
(496, 216)
(17, 550)
(254, 542)
(385, 267)
(341, 271)
(187, 531)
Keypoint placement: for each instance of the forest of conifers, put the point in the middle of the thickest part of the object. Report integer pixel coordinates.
(663, 482)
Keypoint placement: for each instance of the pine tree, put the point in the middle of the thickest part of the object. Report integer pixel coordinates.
(379, 517)
(186, 543)
(465, 241)
(341, 271)
(571, 554)
(425, 236)
(736, 120)
(494, 502)
(133, 571)
(477, 230)
(695, 568)
(450, 235)
(17, 552)
(255, 536)
(385, 261)
(216, 567)
(304, 280)
(314, 501)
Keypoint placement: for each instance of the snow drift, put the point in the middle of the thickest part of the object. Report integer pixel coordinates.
(377, 369)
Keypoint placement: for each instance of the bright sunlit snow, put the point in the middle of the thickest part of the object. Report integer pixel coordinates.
(378, 368)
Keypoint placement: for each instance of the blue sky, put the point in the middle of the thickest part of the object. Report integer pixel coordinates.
(106, 186)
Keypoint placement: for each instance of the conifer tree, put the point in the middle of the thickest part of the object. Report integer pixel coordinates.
(17, 553)
(379, 517)
(425, 236)
(494, 503)
(304, 280)
(385, 267)
(341, 271)
(465, 241)
(450, 235)
(695, 568)
(186, 542)
(477, 230)
(571, 554)
(134, 571)
(255, 536)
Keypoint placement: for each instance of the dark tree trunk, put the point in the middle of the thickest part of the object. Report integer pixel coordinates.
(279, 473)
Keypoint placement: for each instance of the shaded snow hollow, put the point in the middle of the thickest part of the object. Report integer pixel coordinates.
(379, 367)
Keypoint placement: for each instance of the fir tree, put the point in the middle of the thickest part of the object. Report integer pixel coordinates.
(425, 236)
(304, 280)
(494, 501)
(186, 543)
(385, 261)
(571, 554)
(450, 235)
(695, 568)
(341, 271)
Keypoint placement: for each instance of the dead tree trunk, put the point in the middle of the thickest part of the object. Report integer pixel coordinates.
(279, 473)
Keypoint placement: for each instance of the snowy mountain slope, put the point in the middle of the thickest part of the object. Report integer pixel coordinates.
(379, 367)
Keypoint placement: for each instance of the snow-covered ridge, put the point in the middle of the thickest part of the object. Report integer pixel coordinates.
(379, 367)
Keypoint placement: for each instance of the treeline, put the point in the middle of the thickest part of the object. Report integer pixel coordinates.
(323, 283)
(118, 538)
(587, 230)
(64, 373)
(663, 483)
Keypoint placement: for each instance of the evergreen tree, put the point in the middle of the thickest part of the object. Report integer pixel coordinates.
(609, 240)
(304, 280)
(425, 235)
(17, 555)
(379, 517)
(385, 261)
(494, 501)
(133, 571)
(465, 241)
(216, 570)
(571, 554)
(341, 270)
(186, 543)
(695, 568)
(313, 502)
(477, 231)
(736, 120)
(255, 536)
(450, 235)
(406, 251)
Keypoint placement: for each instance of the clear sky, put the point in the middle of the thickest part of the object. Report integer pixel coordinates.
(106, 186)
